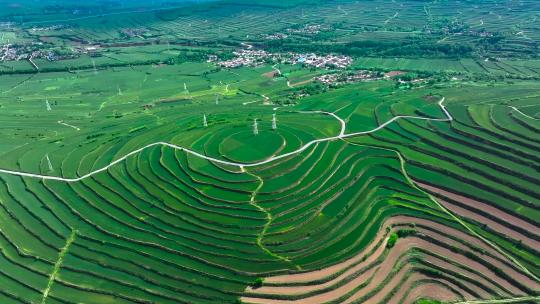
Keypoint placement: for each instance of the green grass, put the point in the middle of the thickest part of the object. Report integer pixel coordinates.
(325, 204)
(164, 226)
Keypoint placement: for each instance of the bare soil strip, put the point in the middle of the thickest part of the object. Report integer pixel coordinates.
(430, 291)
(414, 279)
(484, 207)
(413, 242)
(379, 273)
(472, 276)
(458, 234)
(326, 272)
(487, 260)
(491, 224)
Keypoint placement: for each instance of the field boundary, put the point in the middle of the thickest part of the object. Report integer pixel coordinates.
(341, 135)
(413, 183)
(501, 301)
(57, 265)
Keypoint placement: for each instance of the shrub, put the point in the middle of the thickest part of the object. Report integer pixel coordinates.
(427, 301)
(392, 240)
(258, 283)
(402, 233)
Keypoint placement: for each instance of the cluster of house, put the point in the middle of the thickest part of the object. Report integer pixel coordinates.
(245, 57)
(481, 33)
(327, 61)
(459, 29)
(10, 52)
(134, 32)
(7, 53)
(16, 52)
(338, 79)
(310, 29)
(276, 36)
(48, 28)
(253, 57)
(86, 49)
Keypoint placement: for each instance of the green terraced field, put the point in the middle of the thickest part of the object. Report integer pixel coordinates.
(134, 168)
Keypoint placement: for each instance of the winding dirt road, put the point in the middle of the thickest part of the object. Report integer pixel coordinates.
(341, 135)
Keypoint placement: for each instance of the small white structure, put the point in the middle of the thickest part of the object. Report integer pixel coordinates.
(274, 122)
(217, 99)
(49, 162)
(205, 122)
(48, 105)
(255, 127)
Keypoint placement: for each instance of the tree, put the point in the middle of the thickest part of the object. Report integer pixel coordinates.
(258, 283)
(392, 240)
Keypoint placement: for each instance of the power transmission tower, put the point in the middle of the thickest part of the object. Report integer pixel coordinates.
(205, 122)
(186, 91)
(255, 127)
(274, 122)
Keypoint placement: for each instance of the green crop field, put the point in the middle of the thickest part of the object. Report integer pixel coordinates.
(276, 152)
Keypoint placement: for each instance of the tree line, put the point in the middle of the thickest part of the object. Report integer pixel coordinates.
(407, 48)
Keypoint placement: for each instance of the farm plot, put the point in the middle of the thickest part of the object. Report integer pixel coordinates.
(181, 226)
(382, 217)
(485, 157)
(165, 181)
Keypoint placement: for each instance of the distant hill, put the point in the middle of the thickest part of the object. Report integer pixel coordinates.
(282, 4)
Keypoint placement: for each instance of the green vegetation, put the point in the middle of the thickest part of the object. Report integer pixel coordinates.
(392, 240)
(258, 282)
(426, 301)
(136, 168)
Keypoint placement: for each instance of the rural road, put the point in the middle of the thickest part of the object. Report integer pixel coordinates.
(341, 135)
(502, 301)
(519, 111)
(242, 166)
(341, 121)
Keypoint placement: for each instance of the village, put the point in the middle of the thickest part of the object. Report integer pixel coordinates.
(270, 152)
(351, 77)
(252, 57)
(327, 61)
(308, 29)
(245, 57)
(9, 52)
(134, 32)
(12, 52)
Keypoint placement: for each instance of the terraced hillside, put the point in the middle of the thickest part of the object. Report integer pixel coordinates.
(137, 167)
(402, 212)
(463, 260)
